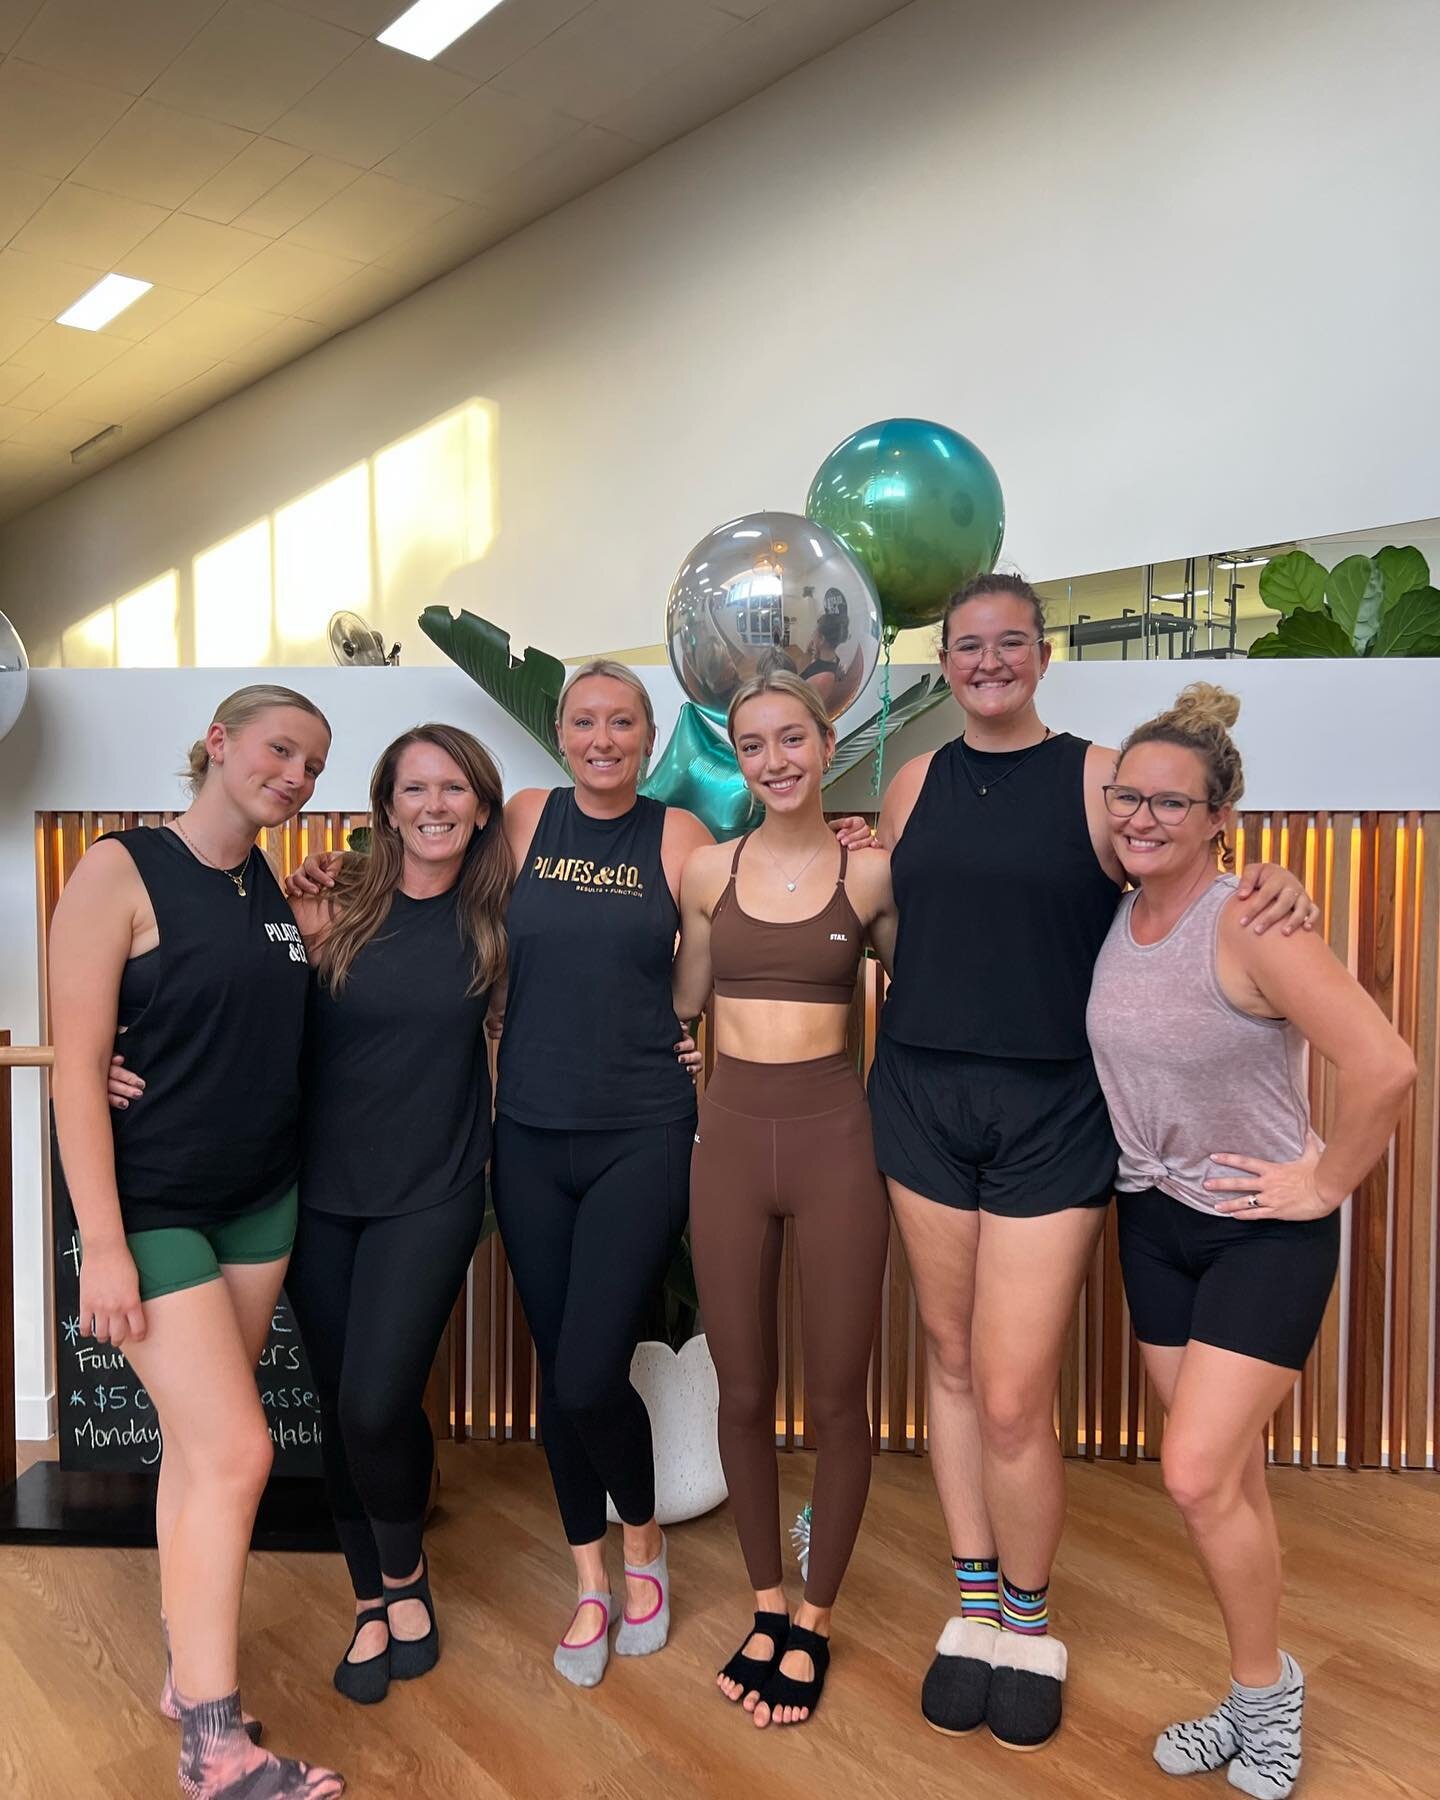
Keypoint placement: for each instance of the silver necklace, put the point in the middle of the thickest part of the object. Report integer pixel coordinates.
(982, 791)
(790, 885)
(236, 875)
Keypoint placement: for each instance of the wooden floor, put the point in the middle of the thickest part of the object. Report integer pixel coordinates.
(80, 1660)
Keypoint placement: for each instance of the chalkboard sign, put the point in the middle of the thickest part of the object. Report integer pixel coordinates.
(107, 1420)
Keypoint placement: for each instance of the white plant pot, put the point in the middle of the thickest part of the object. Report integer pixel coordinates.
(682, 1396)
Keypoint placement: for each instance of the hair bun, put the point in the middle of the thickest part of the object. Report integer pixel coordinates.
(1203, 704)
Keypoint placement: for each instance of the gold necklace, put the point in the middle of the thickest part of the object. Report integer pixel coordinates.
(236, 875)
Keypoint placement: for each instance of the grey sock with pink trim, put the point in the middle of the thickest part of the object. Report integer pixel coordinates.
(584, 1664)
(644, 1635)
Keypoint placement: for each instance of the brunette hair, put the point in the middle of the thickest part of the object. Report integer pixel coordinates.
(366, 885)
(778, 681)
(1015, 585)
(1200, 721)
(237, 710)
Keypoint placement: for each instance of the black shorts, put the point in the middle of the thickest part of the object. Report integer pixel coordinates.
(1012, 1135)
(1257, 1289)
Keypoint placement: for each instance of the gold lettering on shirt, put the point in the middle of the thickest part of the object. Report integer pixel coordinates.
(588, 877)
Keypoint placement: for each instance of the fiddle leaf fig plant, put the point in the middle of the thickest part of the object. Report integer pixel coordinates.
(1381, 605)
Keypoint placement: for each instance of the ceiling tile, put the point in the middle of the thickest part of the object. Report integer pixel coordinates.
(80, 225)
(15, 15)
(478, 143)
(365, 16)
(317, 180)
(58, 350)
(211, 327)
(142, 374)
(40, 286)
(442, 246)
(241, 183)
(192, 254)
(119, 43)
(372, 104)
(370, 217)
(13, 378)
(19, 198)
(503, 36)
(13, 418)
(47, 121)
(151, 310)
(59, 429)
(582, 162)
(612, 50)
(283, 277)
(160, 155)
(15, 332)
(251, 63)
(286, 341)
(361, 297)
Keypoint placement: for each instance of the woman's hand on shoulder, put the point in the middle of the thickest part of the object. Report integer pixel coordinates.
(316, 875)
(855, 832)
(1276, 897)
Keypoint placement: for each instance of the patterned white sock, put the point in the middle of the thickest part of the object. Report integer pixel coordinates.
(1268, 1765)
(1196, 1746)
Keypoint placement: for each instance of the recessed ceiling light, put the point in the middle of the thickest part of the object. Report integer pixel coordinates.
(430, 25)
(105, 301)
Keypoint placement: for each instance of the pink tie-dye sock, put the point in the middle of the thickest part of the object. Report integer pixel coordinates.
(218, 1761)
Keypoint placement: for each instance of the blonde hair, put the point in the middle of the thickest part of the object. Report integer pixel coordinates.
(237, 710)
(778, 681)
(1200, 721)
(614, 671)
(366, 885)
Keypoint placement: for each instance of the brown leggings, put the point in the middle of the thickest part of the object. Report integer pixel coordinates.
(778, 1141)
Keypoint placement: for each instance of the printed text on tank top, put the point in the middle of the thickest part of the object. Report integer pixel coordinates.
(809, 960)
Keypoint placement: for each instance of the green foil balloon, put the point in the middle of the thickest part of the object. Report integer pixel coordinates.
(919, 505)
(698, 771)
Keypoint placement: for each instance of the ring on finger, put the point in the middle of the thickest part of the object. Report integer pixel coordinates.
(1252, 1199)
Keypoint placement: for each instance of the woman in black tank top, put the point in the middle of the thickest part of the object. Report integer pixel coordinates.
(594, 1118)
(180, 936)
(991, 1128)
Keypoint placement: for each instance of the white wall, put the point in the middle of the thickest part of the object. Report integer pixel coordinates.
(1314, 735)
(1166, 263)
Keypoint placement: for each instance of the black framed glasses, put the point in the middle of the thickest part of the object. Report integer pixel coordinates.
(1123, 802)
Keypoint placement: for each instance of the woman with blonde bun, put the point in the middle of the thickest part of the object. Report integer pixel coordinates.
(1228, 1203)
(178, 937)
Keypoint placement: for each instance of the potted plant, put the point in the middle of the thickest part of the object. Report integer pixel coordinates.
(1381, 605)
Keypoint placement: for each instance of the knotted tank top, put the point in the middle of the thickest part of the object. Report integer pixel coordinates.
(1184, 1071)
(812, 959)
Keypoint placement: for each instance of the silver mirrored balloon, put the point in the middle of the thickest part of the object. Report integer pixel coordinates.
(772, 591)
(14, 674)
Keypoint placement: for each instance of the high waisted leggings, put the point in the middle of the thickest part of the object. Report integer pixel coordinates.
(590, 1221)
(371, 1297)
(778, 1141)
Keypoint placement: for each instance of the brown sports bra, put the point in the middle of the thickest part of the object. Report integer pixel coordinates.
(810, 959)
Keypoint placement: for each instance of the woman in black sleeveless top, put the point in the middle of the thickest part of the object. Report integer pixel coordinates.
(408, 946)
(991, 1128)
(179, 937)
(593, 1129)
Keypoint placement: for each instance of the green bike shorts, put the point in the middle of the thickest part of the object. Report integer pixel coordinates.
(179, 1257)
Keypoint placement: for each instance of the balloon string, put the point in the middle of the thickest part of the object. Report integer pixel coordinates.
(875, 780)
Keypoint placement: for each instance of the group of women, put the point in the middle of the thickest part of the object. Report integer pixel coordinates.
(183, 982)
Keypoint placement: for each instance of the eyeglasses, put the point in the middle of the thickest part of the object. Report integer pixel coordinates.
(1165, 809)
(1013, 648)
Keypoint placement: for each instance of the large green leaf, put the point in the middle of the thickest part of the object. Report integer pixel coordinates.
(1293, 583)
(1354, 588)
(527, 687)
(1269, 645)
(1410, 625)
(929, 691)
(1305, 634)
(1402, 569)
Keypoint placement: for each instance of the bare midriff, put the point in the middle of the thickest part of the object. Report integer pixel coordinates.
(778, 1031)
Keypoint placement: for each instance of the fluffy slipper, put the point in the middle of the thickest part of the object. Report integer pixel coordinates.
(1027, 1676)
(957, 1683)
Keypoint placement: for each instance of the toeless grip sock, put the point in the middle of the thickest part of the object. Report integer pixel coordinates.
(1268, 1765)
(957, 1683)
(169, 1706)
(218, 1761)
(1026, 1610)
(413, 1657)
(584, 1664)
(647, 1634)
(979, 1578)
(1196, 1746)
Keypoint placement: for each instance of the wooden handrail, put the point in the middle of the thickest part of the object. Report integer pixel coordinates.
(25, 1056)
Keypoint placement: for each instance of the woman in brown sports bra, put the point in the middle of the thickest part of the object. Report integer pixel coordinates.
(776, 924)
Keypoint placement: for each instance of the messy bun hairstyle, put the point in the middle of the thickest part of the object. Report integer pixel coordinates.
(239, 709)
(1200, 720)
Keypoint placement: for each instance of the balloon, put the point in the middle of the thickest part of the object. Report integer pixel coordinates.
(919, 505)
(699, 771)
(772, 591)
(14, 674)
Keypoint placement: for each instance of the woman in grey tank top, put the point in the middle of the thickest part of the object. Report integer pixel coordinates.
(1228, 1202)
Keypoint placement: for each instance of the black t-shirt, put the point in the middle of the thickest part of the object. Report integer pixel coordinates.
(1003, 905)
(212, 1018)
(397, 1079)
(590, 1027)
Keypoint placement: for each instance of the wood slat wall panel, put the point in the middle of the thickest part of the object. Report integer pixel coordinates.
(1371, 1390)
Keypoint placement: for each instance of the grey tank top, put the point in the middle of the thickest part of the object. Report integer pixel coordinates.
(1186, 1073)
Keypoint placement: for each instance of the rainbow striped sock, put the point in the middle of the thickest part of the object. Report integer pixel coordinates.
(1025, 1610)
(979, 1578)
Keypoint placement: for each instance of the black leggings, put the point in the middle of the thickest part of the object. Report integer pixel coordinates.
(590, 1221)
(371, 1297)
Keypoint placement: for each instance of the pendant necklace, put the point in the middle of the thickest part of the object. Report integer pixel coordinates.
(791, 885)
(236, 875)
(982, 790)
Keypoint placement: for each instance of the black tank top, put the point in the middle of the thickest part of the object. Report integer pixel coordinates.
(212, 1018)
(397, 1080)
(590, 1027)
(1003, 905)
